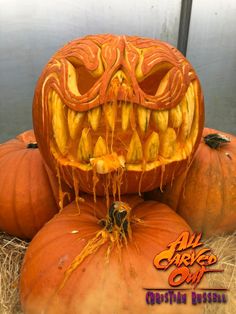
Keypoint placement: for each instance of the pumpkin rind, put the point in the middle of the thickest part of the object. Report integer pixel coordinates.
(110, 279)
(205, 196)
(26, 196)
(116, 128)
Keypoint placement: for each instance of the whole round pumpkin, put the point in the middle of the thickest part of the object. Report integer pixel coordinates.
(26, 193)
(205, 195)
(118, 114)
(94, 261)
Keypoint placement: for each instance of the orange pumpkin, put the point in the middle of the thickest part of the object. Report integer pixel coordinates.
(94, 262)
(205, 196)
(26, 197)
(118, 114)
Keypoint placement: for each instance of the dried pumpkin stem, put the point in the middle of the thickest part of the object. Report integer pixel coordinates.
(118, 220)
(32, 145)
(215, 140)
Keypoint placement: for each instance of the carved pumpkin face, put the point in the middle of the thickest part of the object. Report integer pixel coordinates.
(118, 114)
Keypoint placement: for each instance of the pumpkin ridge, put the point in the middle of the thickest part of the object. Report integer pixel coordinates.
(42, 246)
(202, 221)
(6, 175)
(35, 197)
(11, 147)
(224, 188)
(14, 210)
(45, 273)
(205, 213)
(3, 155)
(31, 167)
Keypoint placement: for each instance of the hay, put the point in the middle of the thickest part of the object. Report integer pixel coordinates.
(12, 251)
(224, 247)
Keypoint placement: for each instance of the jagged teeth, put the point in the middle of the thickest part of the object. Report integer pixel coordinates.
(135, 151)
(151, 147)
(160, 119)
(167, 143)
(75, 120)
(188, 147)
(94, 117)
(143, 118)
(187, 108)
(163, 84)
(175, 129)
(110, 114)
(175, 117)
(59, 123)
(100, 148)
(125, 115)
(190, 105)
(85, 146)
(72, 80)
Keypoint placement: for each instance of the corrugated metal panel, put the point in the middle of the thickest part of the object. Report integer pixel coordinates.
(212, 51)
(31, 31)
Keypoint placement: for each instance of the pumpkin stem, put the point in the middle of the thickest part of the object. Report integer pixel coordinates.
(215, 140)
(118, 219)
(32, 145)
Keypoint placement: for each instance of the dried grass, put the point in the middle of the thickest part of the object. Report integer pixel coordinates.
(12, 251)
(224, 247)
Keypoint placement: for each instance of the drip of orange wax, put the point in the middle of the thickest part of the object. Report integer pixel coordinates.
(76, 187)
(62, 194)
(141, 177)
(162, 176)
(113, 176)
(95, 181)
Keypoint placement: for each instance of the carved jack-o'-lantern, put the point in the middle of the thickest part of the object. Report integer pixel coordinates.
(118, 114)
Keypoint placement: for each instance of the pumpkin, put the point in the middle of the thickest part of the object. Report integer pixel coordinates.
(99, 262)
(117, 114)
(26, 194)
(205, 196)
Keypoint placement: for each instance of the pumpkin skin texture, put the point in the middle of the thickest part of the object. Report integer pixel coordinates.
(112, 278)
(118, 114)
(205, 196)
(26, 197)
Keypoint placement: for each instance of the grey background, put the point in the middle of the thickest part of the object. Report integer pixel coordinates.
(212, 51)
(32, 30)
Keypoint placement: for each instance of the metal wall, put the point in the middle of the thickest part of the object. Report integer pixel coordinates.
(32, 30)
(212, 51)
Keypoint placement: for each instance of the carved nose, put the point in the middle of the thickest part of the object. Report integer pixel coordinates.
(119, 86)
(119, 77)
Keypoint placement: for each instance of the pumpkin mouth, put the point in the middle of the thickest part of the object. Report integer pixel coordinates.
(120, 134)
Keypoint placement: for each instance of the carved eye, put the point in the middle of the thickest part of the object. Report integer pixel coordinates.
(79, 80)
(85, 79)
(151, 83)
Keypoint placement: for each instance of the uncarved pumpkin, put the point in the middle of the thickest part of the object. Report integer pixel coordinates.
(205, 195)
(26, 194)
(95, 262)
(118, 114)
